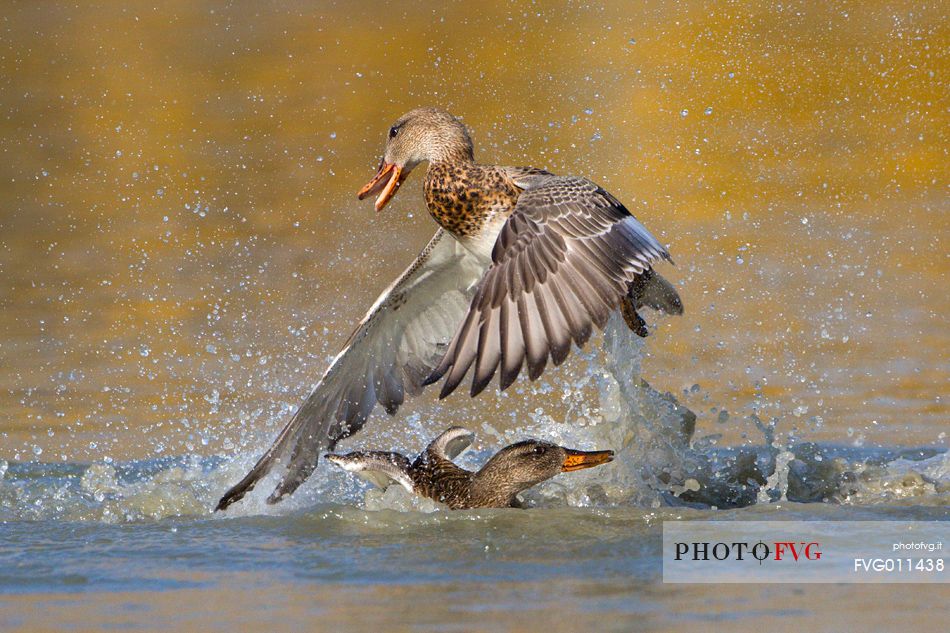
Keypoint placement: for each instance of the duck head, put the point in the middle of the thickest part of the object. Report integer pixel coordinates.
(423, 134)
(519, 466)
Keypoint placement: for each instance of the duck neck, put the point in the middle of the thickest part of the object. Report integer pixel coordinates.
(450, 145)
(494, 485)
(451, 154)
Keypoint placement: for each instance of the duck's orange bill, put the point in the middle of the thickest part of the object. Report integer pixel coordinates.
(577, 460)
(385, 183)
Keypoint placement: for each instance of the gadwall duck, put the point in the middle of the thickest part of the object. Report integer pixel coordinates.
(433, 474)
(524, 264)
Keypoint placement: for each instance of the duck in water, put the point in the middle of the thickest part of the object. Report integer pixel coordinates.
(433, 474)
(523, 266)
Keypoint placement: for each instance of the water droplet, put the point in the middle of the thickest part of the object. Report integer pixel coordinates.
(632, 41)
(708, 111)
(144, 351)
(684, 112)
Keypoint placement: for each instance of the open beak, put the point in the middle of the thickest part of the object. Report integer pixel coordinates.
(578, 460)
(385, 183)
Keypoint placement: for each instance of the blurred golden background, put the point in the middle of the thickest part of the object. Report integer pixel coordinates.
(181, 250)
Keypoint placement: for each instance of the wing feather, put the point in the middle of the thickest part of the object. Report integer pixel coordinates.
(395, 347)
(489, 351)
(512, 343)
(555, 325)
(561, 264)
(536, 344)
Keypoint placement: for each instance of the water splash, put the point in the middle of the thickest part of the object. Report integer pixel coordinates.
(658, 463)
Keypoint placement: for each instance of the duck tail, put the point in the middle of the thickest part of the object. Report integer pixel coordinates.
(652, 290)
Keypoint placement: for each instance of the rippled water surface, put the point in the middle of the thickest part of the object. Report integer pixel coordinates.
(181, 253)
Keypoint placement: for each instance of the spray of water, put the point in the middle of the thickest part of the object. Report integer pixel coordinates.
(658, 463)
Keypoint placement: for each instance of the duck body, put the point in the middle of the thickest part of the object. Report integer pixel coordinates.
(469, 200)
(434, 475)
(524, 265)
(440, 479)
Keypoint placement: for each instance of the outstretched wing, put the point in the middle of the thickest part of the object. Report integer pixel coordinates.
(397, 344)
(561, 263)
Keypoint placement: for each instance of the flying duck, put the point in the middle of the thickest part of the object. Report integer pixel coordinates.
(433, 474)
(524, 264)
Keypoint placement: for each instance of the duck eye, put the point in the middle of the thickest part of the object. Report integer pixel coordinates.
(393, 131)
(540, 450)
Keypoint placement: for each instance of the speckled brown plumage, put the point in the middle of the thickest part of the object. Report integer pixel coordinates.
(463, 197)
(434, 475)
(438, 478)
